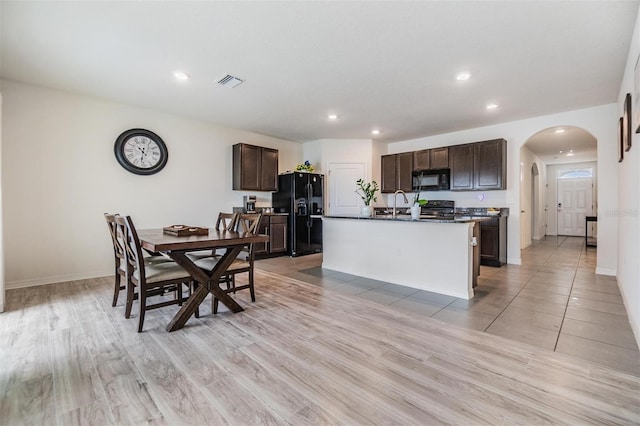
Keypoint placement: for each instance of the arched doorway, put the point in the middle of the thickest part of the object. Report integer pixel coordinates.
(545, 156)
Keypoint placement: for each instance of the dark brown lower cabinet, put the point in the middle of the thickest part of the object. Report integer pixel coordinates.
(275, 226)
(493, 241)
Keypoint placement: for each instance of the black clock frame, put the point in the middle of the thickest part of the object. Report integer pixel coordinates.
(118, 149)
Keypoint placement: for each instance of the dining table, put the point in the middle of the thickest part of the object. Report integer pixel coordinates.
(176, 247)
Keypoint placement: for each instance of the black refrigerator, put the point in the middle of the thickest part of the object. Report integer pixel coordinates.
(302, 196)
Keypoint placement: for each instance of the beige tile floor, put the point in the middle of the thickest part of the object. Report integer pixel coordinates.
(554, 300)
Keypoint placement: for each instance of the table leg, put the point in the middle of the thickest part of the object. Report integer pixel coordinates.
(208, 283)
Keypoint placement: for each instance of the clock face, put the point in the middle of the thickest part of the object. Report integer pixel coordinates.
(141, 151)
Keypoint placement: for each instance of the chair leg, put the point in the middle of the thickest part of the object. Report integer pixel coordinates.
(142, 300)
(251, 289)
(130, 295)
(116, 290)
(215, 305)
(233, 283)
(179, 289)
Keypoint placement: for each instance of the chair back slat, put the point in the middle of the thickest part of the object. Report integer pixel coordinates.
(226, 221)
(133, 250)
(248, 222)
(116, 237)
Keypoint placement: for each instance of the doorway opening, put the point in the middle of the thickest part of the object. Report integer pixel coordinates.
(553, 161)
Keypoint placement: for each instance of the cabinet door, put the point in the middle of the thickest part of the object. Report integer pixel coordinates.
(404, 167)
(269, 169)
(439, 158)
(246, 167)
(388, 170)
(422, 159)
(278, 237)
(461, 164)
(490, 164)
(489, 244)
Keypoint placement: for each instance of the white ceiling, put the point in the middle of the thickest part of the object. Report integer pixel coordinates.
(386, 65)
(576, 144)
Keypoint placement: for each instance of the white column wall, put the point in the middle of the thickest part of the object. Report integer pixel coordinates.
(627, 211)
(2, 279)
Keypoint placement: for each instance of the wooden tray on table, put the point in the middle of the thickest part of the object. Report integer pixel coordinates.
(183, 230)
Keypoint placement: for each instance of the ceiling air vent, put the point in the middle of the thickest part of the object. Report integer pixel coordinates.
(229, 81)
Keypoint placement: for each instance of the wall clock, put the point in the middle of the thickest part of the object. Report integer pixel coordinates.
(141, 151)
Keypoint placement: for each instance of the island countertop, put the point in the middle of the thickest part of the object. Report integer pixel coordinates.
(407, 218)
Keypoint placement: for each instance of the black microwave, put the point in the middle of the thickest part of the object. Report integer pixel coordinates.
(431, 180)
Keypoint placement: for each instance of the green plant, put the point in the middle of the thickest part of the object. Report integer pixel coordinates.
(418, 201)
(306, 166)
(367, 191)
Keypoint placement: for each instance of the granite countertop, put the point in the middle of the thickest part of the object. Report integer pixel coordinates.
(407, 218)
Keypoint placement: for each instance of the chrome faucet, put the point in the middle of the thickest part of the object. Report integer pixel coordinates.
(406, 200)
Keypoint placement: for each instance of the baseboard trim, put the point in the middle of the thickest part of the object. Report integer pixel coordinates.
(10, 285)
(605, 271)
(516, 261)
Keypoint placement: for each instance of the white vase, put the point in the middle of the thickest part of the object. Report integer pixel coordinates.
(415, 211)
(367, 211)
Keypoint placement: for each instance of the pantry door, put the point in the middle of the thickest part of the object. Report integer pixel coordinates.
(342, 188)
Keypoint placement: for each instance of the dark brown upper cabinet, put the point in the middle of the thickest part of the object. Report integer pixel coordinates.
(255, 168)
(490, 165)
(439, 158)
(480, 166)
(422, 159)
(396, 172)
(461, 164)
(434, 158)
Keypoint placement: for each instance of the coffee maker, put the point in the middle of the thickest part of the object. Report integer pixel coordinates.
(249, 202)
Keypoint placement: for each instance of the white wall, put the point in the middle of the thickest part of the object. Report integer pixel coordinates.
(628, 208)
(527, 160)
(600, 121)
(2, 278)
(552, 193)
(60, 175)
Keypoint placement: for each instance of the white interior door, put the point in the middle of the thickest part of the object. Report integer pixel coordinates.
(342, 188)
(575, 201)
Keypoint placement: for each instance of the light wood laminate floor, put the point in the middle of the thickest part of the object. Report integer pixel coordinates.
(302, 354)
(554, 300)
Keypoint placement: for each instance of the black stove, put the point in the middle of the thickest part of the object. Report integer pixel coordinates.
(444, 209)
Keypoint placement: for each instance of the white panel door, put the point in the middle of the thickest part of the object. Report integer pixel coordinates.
(575, 201)
(342, 188)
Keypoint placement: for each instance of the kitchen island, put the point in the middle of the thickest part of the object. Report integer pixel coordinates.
(438, 255)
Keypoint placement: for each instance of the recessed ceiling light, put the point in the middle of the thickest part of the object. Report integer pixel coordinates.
(463, 76)
(492, 106)
(375, 132)
(179, 75)
(560, 130)
(570, 154)
(570, 150)
(561, 151)
(333, 117)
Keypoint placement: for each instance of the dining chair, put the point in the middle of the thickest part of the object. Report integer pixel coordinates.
(150, 279)
(225, 222)
(245, 223)
(119, 256)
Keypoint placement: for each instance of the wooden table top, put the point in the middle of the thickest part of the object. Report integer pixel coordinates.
(156, 240)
